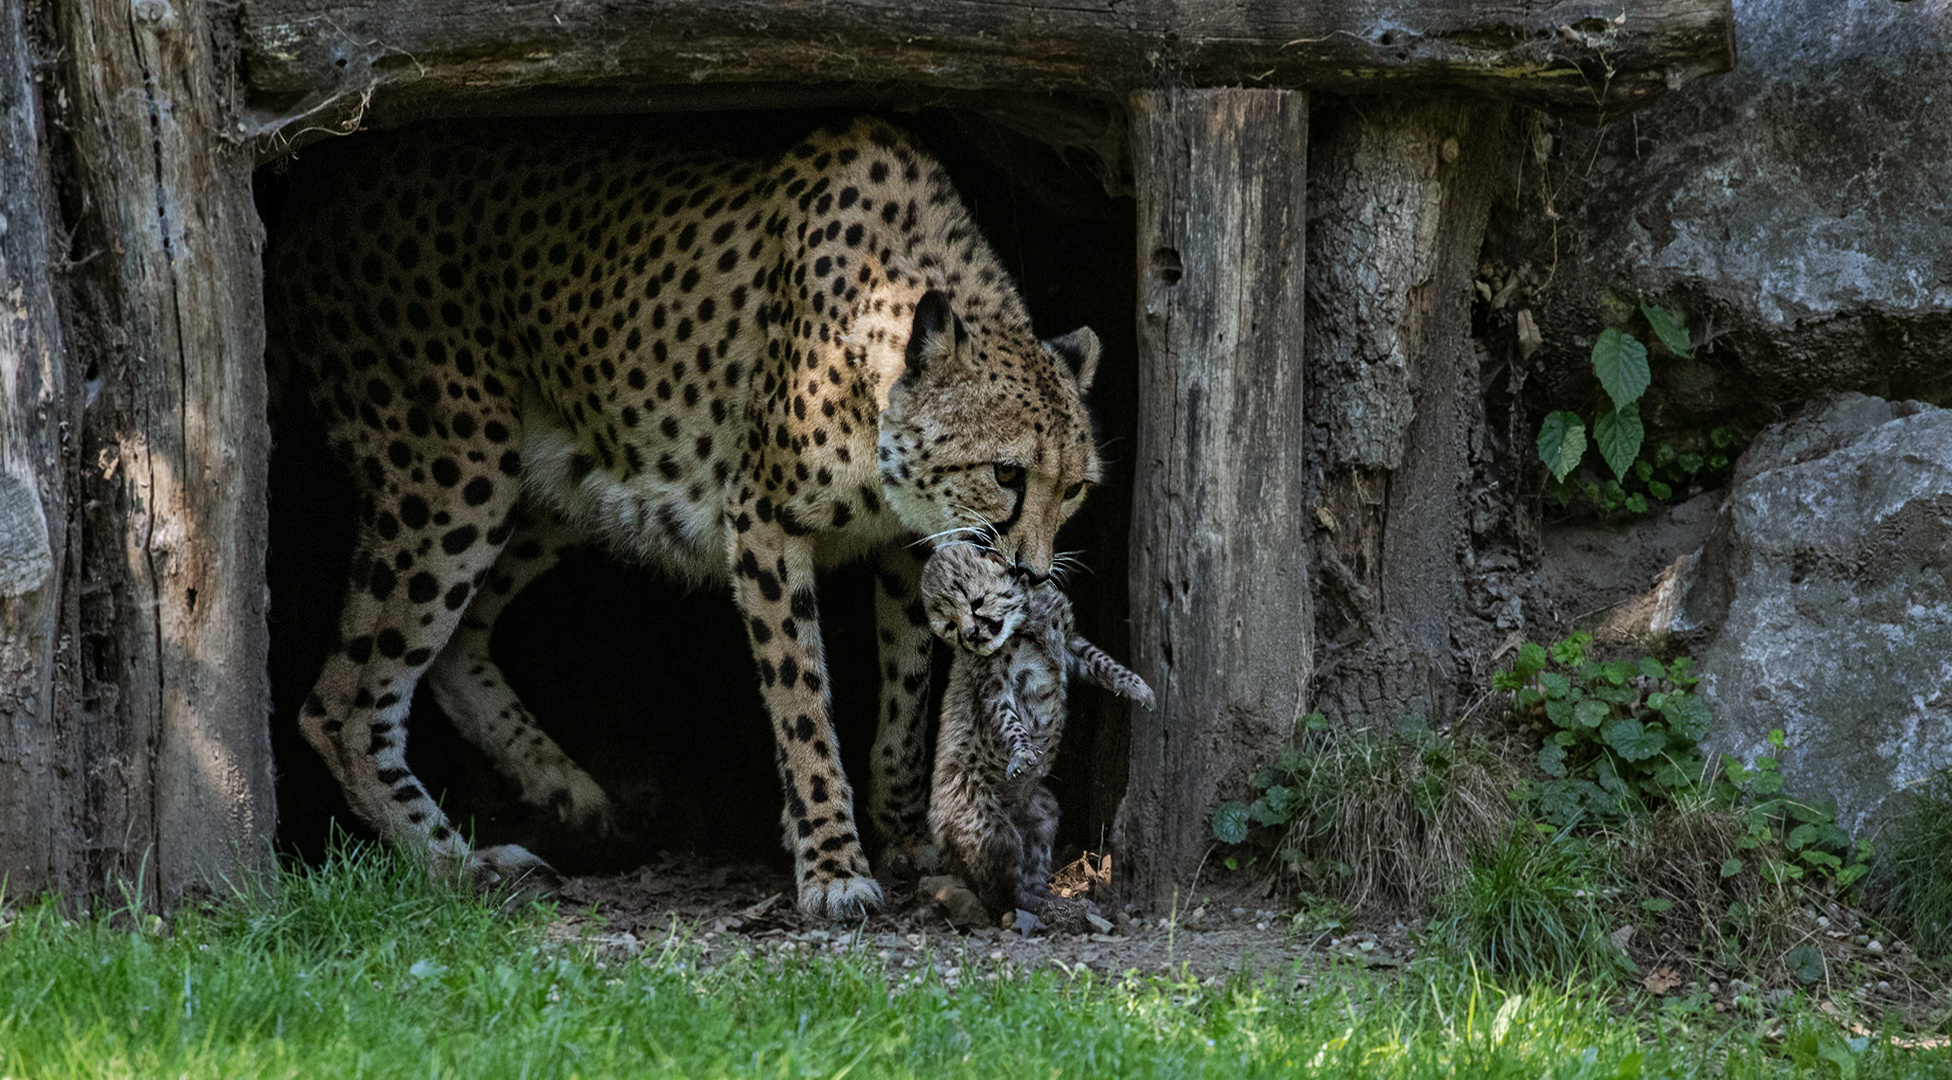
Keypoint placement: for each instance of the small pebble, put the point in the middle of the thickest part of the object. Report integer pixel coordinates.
(1823, 920)
(1883, 987)
(1875, 946)
(1239, 911)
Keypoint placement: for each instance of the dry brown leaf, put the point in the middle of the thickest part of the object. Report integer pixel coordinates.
(1662, 980)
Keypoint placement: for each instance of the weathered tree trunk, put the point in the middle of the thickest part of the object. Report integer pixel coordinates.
(147, 757)
(37, 767)
(1222, 625)
(1398, 200)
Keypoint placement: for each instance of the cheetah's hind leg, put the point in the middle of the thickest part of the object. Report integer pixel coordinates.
(476, 696)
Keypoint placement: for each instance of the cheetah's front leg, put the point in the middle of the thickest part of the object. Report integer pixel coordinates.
(774, 584)
(898, 778)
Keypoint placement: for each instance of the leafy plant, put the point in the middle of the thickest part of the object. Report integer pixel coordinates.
(1621, 735)
(1620, 362)
(1813, 847)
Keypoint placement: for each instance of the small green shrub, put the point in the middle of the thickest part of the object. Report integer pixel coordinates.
(1530, 904)
(1915, 888)
(1370, 816)
(1812, 847)
(1622, 735)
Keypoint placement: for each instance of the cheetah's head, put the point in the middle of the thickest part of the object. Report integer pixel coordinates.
(988, 438)
(974, 600)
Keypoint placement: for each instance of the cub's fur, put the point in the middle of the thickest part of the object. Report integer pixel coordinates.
(1015, 648)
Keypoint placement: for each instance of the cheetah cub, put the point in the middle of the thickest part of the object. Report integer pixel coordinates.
(1015, 645)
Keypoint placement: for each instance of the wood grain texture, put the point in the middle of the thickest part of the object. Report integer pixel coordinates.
(38, 778)
(1398, 201)
(314, 61)
(166, 318)
(1222, 624)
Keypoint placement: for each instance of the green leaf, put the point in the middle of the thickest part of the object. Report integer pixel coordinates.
(1621, 364)
(1562, 442)
(1731, 867)
(1531, 660)
(1800, 837)
(1849, 874)
(1618, 433)
(1768, 783)
(1779, 872)
(1656, 904)
(1666, 327)
(1560, 713)
(1634, 741)
(1805, 963)
(1618, 672)
(1552, 759)
(1644, 469)
(1659, 490)
(1652, 668)
(1572, 649)
(1555, 685)
(1636, 503)
(1230, 822)
(1590, 713)
(1688, 715)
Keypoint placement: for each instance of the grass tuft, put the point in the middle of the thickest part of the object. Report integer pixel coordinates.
(1388, 820)
(1530, 905)
(1915, 891)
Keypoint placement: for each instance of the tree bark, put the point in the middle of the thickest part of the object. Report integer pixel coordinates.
(1222, 625)
(324, 58)
(36, 672)
(1398, 199)
(157, 771)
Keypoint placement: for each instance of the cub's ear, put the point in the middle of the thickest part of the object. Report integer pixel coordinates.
(1079, 351)
(933, 337)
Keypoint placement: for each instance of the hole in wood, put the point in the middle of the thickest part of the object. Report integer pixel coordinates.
(1166, 266)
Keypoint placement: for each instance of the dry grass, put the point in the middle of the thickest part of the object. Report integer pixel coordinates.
(1390, 820)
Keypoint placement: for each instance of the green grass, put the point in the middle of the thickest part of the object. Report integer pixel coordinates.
(1917, 891)
(363, 969)
(1529, 906)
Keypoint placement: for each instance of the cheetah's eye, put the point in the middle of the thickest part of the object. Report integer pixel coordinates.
(1074, 490)
(1010, 476)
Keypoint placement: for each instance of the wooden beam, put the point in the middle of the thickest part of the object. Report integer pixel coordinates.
(1222, 620)
(313, 60)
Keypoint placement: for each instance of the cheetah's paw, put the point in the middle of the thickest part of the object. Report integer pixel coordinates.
(511, 865)
(840, 898)
(578, 801)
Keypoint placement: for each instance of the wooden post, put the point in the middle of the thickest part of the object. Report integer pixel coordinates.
(1222, 625)
(157, 769)
(36, 775)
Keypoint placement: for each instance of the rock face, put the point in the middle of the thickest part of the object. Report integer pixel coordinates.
(1794, 210)
(1825, 597)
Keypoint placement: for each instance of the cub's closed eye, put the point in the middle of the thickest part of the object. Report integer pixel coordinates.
(1009, 475)
(1074, 490)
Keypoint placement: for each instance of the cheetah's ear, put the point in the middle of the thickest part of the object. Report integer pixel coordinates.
(933, 337)
(1079, 350)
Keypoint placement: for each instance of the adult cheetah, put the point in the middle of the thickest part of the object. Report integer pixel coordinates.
(735, 370)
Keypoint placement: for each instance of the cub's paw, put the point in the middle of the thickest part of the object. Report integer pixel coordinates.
(840, 898)
(908, 859)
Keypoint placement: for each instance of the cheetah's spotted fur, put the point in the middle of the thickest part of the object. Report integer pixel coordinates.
(1002, 717)
(736, 370)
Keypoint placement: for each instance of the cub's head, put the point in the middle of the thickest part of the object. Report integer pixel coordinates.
(974, 600)
(986, 438)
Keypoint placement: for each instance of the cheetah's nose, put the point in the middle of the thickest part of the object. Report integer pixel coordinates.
(990, 627)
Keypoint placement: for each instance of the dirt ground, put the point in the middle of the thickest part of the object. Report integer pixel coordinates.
(727, 909)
